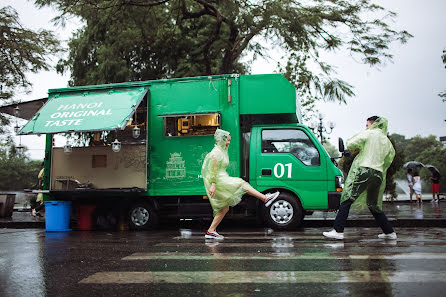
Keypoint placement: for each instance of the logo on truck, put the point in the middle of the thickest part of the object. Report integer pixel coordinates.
(175, 166)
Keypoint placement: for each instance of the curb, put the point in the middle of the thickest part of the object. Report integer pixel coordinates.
(22, 225)
(406, 223)
(308, 223)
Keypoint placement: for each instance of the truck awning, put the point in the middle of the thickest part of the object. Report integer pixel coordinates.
(26, 110)
(95, 110)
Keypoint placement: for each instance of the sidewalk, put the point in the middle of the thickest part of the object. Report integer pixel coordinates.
(400, 214)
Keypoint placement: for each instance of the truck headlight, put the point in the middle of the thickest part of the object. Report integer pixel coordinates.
(339, 183)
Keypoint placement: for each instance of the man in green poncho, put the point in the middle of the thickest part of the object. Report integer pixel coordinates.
(367, 177)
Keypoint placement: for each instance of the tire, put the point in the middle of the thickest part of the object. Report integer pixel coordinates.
(285, 213)
(142, 216)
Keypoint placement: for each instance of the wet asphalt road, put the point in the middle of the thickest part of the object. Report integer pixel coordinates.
(249, 262)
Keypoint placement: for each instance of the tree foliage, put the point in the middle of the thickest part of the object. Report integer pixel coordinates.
(427, 150)
(416, 145)
(127, 40)
(332, 151)
(21, 51)
(17, 172)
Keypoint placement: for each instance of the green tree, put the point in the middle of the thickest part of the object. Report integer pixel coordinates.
(427, 150)
(417, 145)
(21, 51)
(151, 39)
(437, 158)
(332, 151)
(17, 172)
(399, 140)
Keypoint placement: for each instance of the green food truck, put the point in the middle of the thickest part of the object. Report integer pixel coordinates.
(142, 145)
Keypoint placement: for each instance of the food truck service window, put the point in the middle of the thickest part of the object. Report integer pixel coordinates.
(191, 124)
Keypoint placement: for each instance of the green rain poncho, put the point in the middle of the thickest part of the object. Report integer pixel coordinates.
(228, 190)
(376, 152)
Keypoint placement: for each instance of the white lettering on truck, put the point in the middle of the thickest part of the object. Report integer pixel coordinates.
(66, 112)
(279, 170)
(63, 123)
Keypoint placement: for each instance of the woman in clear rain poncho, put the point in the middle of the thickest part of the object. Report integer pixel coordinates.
(223, 190)
(366, 179)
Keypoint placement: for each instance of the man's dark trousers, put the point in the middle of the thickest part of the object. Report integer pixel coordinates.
(368, 180)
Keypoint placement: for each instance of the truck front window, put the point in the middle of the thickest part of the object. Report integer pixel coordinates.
(293, 141)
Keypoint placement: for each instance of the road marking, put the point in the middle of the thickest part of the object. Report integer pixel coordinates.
(195, 238)
(271, 277)
(290, 244)
(231, 237)
(282, 256)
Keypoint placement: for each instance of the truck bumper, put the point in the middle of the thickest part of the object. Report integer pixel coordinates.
(334, 200)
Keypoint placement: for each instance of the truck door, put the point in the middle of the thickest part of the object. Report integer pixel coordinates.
(289, 158)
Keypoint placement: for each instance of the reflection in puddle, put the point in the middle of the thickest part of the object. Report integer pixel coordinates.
(22, 269)
(283, 245)
(185, 233)
(337, 245)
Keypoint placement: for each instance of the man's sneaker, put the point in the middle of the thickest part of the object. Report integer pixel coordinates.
(270, 197)
(387, 236)
(213, 235)
(333, 234)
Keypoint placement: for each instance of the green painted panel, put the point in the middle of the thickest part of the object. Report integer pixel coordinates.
(175, 162)
(189, 96)
(85, 111)
(266, 94)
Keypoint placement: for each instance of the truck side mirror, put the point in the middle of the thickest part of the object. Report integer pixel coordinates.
(341, 145)
(342, 149)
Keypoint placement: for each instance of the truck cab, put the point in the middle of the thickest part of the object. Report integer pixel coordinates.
(290, 159)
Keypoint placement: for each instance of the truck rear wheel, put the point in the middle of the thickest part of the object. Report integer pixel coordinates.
(285, 213)
(142, 216)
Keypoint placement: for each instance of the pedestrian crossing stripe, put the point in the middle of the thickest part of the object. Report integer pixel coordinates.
(291, 244)
(303, 237)
(262, 277)
(282, 256)
(268, 233)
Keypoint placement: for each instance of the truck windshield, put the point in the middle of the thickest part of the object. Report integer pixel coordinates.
(291, 141)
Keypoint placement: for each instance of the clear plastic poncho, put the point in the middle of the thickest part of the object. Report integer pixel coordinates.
(228, 190)
(376, 152)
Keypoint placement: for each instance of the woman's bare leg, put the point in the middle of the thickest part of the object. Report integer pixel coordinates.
(253, 192)
(419, 199)
(218, 218)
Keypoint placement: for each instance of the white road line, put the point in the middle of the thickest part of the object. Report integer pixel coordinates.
(291, 244)
(305, 237)
(282, 256)
(260, 277)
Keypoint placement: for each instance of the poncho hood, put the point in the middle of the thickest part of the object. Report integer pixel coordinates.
(220, 137)
(380, 124)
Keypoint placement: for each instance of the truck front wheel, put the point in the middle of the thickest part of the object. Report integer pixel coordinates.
(285, 213)
(142, 216)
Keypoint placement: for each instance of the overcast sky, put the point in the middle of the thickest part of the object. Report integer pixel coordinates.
(405, 91)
